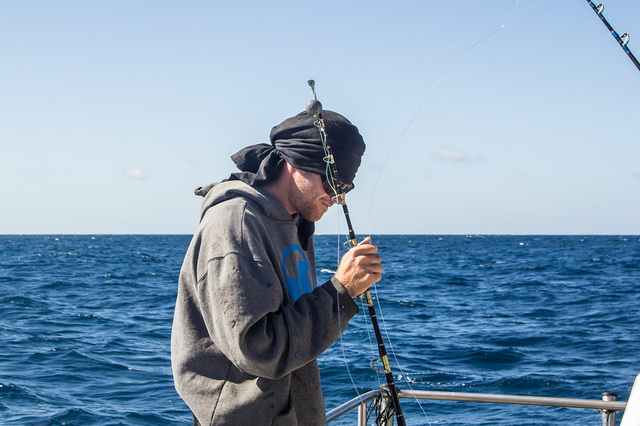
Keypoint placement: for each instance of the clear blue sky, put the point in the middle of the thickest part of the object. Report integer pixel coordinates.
(112, 112)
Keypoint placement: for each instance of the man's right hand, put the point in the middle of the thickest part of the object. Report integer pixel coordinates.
(360, 268)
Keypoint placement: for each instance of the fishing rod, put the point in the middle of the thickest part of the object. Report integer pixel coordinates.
(622, 40)
(314, 108)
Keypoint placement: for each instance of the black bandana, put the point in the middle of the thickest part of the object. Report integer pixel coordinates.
(297, 141)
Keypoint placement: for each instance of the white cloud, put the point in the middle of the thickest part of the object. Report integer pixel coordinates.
(135, 173)
(452, 155)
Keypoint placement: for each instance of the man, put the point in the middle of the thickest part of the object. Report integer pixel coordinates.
(250, 318)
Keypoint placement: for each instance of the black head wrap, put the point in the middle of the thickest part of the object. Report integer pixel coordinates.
(297, 141)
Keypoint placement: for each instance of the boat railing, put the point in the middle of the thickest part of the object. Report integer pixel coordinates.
(608, 406)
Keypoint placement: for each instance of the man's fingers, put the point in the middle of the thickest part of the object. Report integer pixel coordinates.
(365, 247)
(371, 259)
(367, 240)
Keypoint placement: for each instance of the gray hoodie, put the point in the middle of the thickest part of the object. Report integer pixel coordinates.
(250, 319)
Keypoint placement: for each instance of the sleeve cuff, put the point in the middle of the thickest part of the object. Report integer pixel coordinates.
(335, 288)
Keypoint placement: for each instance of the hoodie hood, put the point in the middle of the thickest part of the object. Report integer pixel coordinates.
(216, 193)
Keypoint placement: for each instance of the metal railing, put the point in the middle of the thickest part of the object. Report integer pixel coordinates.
(608, 406)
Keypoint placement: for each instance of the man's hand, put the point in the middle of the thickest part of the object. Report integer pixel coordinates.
(360, 268)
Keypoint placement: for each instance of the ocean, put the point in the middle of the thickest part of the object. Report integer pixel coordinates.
(85, 326)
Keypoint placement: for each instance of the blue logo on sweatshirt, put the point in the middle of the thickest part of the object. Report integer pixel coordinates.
(297, 272)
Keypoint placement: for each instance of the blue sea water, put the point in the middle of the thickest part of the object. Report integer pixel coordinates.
(85, 326)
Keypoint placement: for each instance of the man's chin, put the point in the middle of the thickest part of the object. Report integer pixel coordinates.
(313, 217)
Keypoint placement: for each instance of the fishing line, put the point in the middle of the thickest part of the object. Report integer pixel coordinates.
(452, 65)
(340, 245)
(370, 411)
(342, 344)
(338, 188)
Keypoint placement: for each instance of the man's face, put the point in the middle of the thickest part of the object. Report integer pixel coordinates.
(308, 196)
